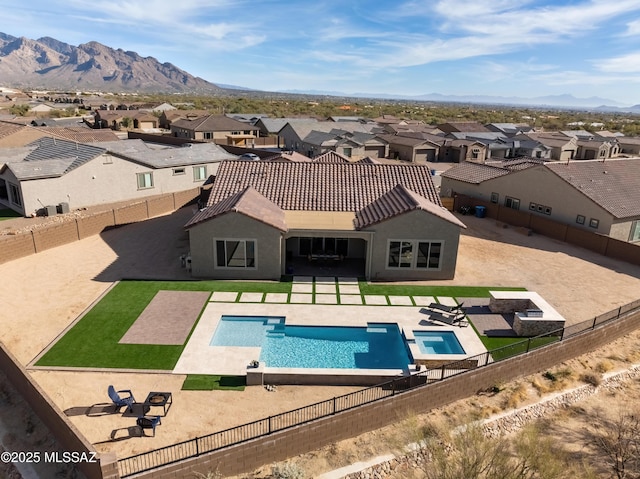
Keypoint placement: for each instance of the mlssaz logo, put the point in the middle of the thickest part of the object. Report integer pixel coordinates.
(70, 457)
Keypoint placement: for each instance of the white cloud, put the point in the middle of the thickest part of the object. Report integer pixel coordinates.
(633, 28)
(629, 63)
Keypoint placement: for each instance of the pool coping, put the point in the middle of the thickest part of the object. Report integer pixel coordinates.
(198, 357)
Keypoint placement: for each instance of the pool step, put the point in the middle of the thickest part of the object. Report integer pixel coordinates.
(377, 329)
(275, 334)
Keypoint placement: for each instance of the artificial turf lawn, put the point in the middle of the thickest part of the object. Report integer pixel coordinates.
(204, 382)
(502, 348)
(450, 291)
(93, 341)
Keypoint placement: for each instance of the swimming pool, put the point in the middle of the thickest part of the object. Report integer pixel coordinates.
(438, 342)
(377, 346)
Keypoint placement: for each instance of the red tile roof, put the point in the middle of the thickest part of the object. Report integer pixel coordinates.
(320, 186)
(247, 202)
(397, 201)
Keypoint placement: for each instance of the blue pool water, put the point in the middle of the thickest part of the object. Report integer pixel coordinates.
(438, 342)
(378, 346)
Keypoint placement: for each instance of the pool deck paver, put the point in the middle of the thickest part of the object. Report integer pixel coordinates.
(347, 280)
(400, 301)
(302, 288)
(447, 301)
(375, 299)
(251, 297)
(325, 288)
(301, 298)
(276, 297)
(348, 288)
(199, 357)
(326, 299)
(424, 300)
(350, 299)
(325, 280)
(224, 296)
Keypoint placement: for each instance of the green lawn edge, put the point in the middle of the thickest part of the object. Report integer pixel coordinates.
(205, 382)
(93, 342)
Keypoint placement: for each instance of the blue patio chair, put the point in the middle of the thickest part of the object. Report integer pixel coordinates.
(148, 422)
(120, 401)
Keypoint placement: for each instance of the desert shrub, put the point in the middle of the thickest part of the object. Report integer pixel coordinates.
(516, 396)
(288, 470)
(591, 378)
(604, 366)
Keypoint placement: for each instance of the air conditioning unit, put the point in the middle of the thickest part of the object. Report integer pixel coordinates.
(50, 210)
(63, 208)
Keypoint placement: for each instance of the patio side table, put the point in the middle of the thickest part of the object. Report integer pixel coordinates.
(156, 399)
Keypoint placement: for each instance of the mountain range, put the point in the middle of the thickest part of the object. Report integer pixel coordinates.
(47, 63)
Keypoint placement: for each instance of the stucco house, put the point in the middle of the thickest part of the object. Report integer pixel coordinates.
(294, 134)
(598, 196)
(50, 172)
(216, 128)
(562, 147)
(263, 216)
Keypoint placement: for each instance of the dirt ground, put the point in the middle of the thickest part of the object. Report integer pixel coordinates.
(44, 293)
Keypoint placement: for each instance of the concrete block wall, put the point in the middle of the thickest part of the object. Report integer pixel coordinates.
(181, 198)
(598, 243)
(160, 205)
(16, 246)
(24, 244)
(131, 213)
(94, 224)
(55, 235)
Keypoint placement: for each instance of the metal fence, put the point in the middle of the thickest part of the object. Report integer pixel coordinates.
(197, 446)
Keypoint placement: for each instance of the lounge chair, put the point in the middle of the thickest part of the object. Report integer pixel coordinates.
(120, 401)
(445, 308)
(148, 422)
(443, 318)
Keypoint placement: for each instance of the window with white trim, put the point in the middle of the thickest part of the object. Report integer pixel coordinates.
(414, 254)
(178, 171)
(16, 198)
(235, 253)
(199, 173)
(145, 180)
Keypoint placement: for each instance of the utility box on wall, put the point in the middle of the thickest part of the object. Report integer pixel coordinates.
(50, 210)
(63, 208)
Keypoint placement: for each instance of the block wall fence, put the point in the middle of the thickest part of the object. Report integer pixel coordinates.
(598, 243)
(56, 234)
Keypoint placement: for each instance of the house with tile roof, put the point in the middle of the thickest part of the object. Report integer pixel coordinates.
(598, 196)
(562, 147)
(169, 116)
(14, 134)
(51, 171)
(215, 128)
(294, 135)
(266, 218)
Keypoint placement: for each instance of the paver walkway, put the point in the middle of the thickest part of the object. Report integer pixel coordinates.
(167, 319)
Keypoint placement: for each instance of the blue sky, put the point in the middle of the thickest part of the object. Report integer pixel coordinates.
(456, 47)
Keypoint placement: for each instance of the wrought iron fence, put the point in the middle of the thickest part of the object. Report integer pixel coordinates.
(197, 446)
